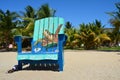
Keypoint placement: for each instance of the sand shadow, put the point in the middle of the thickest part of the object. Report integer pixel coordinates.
(118, 53)
(35, 67)
(5, 50)
(109, 50)
(41, 67)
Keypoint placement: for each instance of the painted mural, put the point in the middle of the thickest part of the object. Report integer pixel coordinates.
(49, 39)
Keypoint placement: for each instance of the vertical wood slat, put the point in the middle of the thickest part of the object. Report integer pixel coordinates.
(51, 27)
(47, 25)
(61, 21)
(41, 34)
(36, 30)
(56, 22)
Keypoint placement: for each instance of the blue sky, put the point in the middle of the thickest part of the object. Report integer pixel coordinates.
(75, 11)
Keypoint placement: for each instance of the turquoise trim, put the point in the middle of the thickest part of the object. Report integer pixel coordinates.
(61, 21)
(36, 30)
(38, 57)
(41, 27)
(51, 26)
(56, 20)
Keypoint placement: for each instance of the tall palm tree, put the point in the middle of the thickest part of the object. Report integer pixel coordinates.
(115, 22)
(68, 25)
(7, 24)
(29, 12)
(30, 15)
(45, 11)
(27, 19)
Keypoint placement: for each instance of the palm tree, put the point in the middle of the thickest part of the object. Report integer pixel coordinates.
(29, 12)
(28, 18)
(115, 22)
(92, 35)
(7, 24)
(72, 33)
(68, 25)
(72, 40)
(30, 15)
(45, 11)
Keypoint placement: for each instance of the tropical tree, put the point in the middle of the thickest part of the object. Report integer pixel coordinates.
(6, 25)
(92, 35)
(45, 11)
(68, 25)
(30, 15)
(27, 19)
(71, 40)
(115, 22)
(72, 33)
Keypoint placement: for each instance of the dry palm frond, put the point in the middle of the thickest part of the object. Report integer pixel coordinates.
(104, 37)
(76, 35)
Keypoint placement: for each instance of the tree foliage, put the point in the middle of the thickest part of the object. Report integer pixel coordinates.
(91, 35)
(115, 22)
(6, 24)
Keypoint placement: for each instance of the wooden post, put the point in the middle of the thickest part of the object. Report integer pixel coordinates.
(18, 40)
(60, 54)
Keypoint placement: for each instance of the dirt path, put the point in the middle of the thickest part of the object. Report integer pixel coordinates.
(79, 65)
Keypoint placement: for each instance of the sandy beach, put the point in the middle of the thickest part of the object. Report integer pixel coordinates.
(79, 65)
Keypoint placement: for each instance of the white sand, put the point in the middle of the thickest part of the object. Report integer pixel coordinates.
(79, 65)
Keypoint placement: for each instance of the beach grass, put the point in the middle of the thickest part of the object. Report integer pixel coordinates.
(110, 48)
